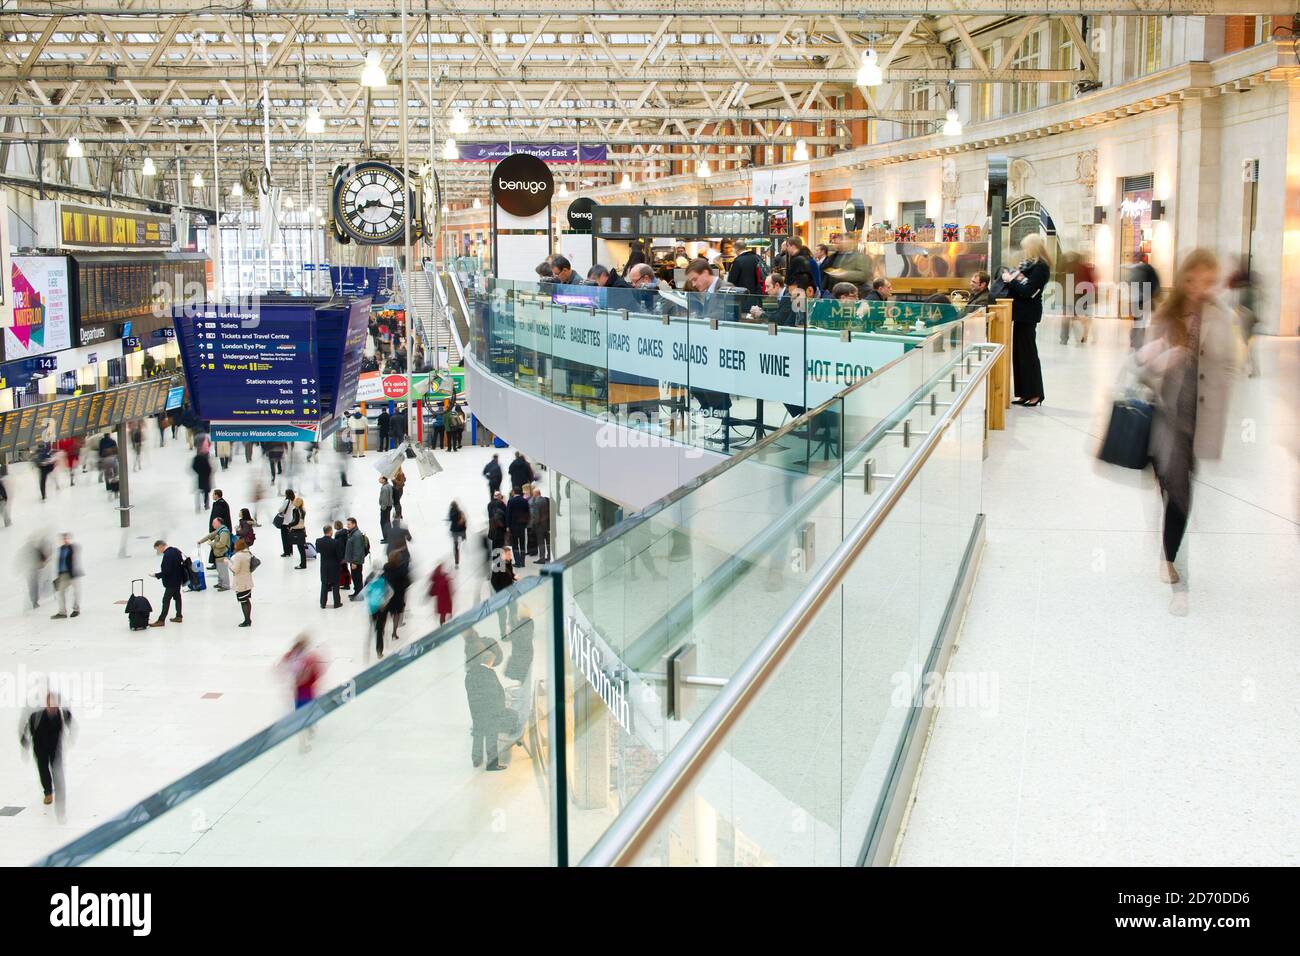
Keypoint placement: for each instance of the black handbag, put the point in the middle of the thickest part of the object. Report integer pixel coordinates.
(1128, 436)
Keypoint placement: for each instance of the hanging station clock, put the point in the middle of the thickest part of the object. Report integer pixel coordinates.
(368, 205)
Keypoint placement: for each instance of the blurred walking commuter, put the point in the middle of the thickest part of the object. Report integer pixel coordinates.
(1143, 289)
(492, 472)
(304, 669)
(33, 558)
(68, 573)
(1243, 283)
(202, 467)
(45, 730)
(1189, 360)
(440, 591)
(457, 525)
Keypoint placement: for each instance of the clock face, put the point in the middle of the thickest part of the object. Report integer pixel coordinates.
(370, 203)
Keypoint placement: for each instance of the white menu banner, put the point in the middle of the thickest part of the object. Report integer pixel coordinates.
(738, 358)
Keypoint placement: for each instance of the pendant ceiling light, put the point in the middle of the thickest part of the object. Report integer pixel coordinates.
(372, 74)
(288, 202)
(449, 150)
(801, 151)
(149, 168)
(314, 124)
(952, 124)
(74, 150)
(237, 190)
(626, 182)
(563, 191)
(478, 203)
(197, 181)
(702, 169)
(869, 73)
(445, 209)
(459, 122)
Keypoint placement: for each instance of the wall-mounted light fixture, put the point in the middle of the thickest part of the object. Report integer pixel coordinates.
(1098, 215)
(1157, 209)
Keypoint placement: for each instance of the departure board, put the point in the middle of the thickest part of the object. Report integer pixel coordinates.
(24, 428)
(8, 431)
(258, 367)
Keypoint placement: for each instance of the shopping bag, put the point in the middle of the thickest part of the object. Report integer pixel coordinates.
(426, 462)
(1128, 434)
(387, 462)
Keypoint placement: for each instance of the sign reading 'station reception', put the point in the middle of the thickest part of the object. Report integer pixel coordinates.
(257, 366)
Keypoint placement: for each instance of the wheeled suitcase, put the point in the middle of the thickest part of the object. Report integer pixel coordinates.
(138, 608)
(198, 580)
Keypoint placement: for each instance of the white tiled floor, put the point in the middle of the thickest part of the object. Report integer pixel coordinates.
(1134, 723)
(148, 722)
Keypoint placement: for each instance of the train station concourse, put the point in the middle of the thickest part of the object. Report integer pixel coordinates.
(686, 435)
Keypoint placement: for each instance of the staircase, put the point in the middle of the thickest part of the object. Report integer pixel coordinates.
(427, 315)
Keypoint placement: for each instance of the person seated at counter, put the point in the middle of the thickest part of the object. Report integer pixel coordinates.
(823, 253)
(645, 287)
(881, 290)
(845, 292)
(979, 293)
(792, 305)
(562, 271)
(602, 277)
(719, 299)
(543, 271)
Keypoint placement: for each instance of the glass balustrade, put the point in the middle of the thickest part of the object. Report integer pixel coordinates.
(636, 632)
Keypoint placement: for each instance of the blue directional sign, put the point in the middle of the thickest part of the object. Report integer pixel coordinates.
(254, 366)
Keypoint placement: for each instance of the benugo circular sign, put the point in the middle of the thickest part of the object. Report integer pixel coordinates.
(582, 212)
(522, 185)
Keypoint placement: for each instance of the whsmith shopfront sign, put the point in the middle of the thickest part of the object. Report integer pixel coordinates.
(735, 358)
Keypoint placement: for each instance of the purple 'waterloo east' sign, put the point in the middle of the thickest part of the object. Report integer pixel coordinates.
(549, 152)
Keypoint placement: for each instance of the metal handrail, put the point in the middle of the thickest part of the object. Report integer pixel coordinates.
(639, 820)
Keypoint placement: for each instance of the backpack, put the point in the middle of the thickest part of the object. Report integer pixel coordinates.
(366, 543)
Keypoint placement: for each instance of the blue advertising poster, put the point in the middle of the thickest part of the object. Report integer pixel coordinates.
(255, 367)
(175, 397)
(354, 348)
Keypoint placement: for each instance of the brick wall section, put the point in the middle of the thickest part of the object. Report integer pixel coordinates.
(1238, 33)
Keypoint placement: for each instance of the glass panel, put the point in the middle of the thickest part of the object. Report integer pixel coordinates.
(398, 739)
